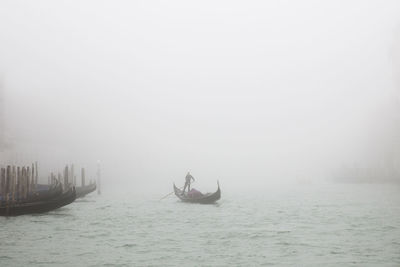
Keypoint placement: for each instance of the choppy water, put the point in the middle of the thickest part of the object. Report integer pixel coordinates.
(336, 225)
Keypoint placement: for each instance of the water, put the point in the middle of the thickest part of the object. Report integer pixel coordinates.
(335, 225)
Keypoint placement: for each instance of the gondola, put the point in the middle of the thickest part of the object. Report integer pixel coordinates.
(42, 193)
(208, 198)
(14, 209)
(84, 190)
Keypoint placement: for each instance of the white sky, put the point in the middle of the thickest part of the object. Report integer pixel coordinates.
(247, 92)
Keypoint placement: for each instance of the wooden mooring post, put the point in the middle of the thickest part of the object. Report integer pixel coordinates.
(83, 177)
(73, 177)
(2, 182)
(8, 183)
(32, 182)
(36, 174)
(28, 181)
(13, 182)
(17, 183)
(98, 184)
(66, 175)
(23, 182)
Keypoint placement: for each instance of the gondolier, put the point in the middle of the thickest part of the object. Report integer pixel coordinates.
(188, 179)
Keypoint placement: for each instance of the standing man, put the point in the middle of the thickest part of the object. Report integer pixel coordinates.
(188, 179)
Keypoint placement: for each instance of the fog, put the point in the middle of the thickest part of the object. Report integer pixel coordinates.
(250, 93)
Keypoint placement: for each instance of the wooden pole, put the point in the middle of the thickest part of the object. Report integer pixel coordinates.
(66, 177)
(36, 173)
(98, 178)
(8, 183)
(83, 177)
(19, 183)
(33, 186)
(28, 181)
(13, 181)
(73, 181)
(3, 182)
(27, 176)
(23, 184)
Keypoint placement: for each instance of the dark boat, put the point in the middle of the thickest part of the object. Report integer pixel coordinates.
(207, 198)
(84, 190)
(42, 193)
(45, 193)
(39, 206)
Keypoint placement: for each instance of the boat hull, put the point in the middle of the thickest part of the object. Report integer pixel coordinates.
(84, 190)
(209, 198)
(40, 195)
(39, 206)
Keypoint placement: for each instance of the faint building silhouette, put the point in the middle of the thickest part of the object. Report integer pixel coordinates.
(383, 162)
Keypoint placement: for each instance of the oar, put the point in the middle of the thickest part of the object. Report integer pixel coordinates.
(169, 194)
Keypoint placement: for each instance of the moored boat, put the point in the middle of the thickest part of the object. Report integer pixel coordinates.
(84, 190)
(14, 209)
(42, 193)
